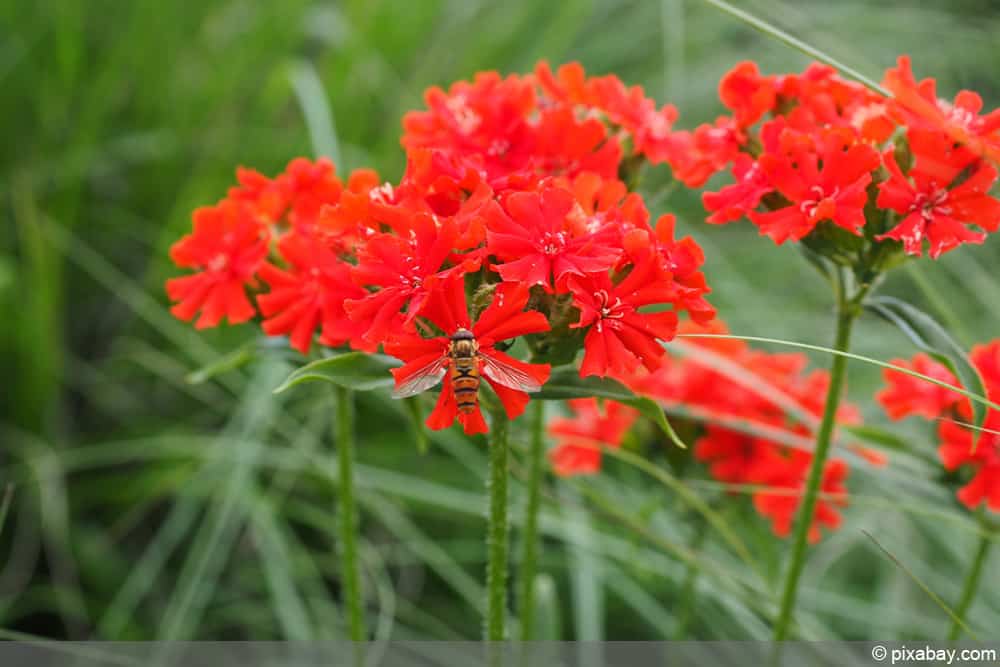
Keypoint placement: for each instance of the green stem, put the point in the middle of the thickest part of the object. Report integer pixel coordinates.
(971, 586)
(847, 311)
(529, 543)
(348, 515)
(496, 568)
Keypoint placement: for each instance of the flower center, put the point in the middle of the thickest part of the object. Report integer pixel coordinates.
(466, 119)
(809, 206)
(498, 147)
(610, 308)
(659, 128)
(962, 117)
(218, 263)
(553, 243)
(383, 194)
(931, 205)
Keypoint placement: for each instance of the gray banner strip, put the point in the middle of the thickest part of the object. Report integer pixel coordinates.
(473, 654)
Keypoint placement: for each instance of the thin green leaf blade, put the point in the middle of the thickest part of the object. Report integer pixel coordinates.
(353, 370)
(566, 384)
(227, 362)
(548, 620)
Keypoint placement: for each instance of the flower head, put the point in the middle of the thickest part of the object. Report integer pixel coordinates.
(227, 247)
(618, 335)
(406, 269)
(539, 243)
(309, 294)
(931, 205)
(962, 447)
(961, 120)
(827, 183)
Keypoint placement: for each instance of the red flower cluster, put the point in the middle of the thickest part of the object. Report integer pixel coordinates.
(510, 200)
(580, 437)
(906, 395)
(812, 148)
(733, 456)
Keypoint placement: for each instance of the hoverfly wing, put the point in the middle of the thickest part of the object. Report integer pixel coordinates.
(503, 373)
(423, 379)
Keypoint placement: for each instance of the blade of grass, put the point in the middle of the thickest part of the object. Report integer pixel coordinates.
(275, 559)
(8, 496)
(203, 566)
(319, 119)
(773, 31)
(931, 594)
(691, 499)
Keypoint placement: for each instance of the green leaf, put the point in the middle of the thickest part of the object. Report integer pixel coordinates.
(931, 337)
(353, 370)
(227, 362)
(566, 383)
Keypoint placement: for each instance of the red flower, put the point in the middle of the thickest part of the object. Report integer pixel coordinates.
(539, 243)
(732, 457)
(624, 106)
(406, 269)
(828, 184)
(746, 93)
(739, 199)
(788, 479)
(579, 438)
(682, 259)
(906, 395)
(956, 451)
(485, 117)
(562, 144)
(228, 247)
(503, 319)
(960, 120)
(961, 446)
(262, 194)
(929, 208)
(619, 336)
(697, 156)
(308, 186)
(310, 294)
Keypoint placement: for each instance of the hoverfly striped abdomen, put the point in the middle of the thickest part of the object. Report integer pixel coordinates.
(464, 354)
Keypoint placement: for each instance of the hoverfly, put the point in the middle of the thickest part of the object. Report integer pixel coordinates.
(465, 362)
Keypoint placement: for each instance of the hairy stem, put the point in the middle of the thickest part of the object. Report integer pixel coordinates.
(529, 538)
(496, 567)
(846, 314)
(350, 576)
(971, 586)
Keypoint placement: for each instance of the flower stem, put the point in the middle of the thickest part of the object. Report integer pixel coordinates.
(847, 311)
(496, 568)
(529, 538)
(971, 586)
(348, 514)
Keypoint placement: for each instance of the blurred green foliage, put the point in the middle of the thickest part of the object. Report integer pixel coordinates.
(145, 507)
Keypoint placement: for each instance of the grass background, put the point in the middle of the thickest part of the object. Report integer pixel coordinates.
(147, 507)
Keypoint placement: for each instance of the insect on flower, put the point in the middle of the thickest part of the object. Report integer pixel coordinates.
(468, 353)
(463, 363)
